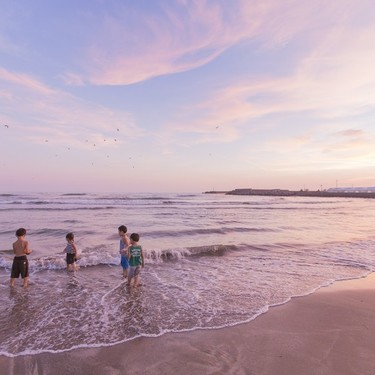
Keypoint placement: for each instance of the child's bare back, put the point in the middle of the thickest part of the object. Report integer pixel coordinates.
(20, 264)
(21, 247)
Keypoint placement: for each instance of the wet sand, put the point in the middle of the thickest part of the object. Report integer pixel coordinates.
(329, 332)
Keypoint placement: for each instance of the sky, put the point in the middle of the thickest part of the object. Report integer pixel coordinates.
(186, 95)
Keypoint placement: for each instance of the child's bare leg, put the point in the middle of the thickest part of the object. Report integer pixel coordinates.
(12, 282)
(129, 281)
(136, 280)
(125, 272)
(25, 282)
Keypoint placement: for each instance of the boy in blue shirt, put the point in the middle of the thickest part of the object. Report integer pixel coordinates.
(124, 244)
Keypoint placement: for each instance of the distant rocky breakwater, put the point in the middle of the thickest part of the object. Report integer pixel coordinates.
(296, 193)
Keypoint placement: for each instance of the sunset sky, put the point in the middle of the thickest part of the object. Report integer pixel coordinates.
(186, 96)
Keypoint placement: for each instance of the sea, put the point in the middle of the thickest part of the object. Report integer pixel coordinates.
(211, 261)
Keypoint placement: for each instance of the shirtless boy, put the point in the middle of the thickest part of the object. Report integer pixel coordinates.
(20, 264)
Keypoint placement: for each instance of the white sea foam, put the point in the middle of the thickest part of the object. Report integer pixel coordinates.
(105, 257)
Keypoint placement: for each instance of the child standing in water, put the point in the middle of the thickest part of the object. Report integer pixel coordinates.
(124, 244)
(71, 253)
(136, 259)
(20, 264)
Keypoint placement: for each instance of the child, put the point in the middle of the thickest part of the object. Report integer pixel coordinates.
(71, 253)
(124, 244)
(136, 259)
(20, 264)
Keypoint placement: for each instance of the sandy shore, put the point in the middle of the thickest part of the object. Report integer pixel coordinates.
(329, 332)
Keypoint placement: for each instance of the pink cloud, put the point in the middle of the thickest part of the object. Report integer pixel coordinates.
(350, 133)
(133, 46)
(59, 116)
(25, 81)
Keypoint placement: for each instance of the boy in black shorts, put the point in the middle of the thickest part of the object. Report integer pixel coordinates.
(20, 264)
(71, 253)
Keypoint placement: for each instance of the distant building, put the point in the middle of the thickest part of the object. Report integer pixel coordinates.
(250, 191)
(349, 192)
(370, 189)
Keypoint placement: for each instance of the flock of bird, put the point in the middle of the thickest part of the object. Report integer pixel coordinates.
(94, 145)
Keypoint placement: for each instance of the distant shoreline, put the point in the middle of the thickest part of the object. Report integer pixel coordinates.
(294, 193)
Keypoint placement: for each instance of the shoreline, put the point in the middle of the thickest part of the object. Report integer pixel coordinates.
(326, 332)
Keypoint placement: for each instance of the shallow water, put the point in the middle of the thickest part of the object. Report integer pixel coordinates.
(211, 261)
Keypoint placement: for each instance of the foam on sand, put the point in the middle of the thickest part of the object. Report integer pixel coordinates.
(328, 332)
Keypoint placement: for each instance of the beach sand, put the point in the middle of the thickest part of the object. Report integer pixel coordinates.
(330, 332)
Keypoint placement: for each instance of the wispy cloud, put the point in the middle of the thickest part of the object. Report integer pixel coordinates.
(333, 80)
(184, 35)
(59, 116)
(290, 143)
(351, 143)
(132, 44)
(350, 133)
(24, 81)
(178, 39)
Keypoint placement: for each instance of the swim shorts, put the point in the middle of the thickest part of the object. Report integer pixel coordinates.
(70, 258)
(124, 262)
(134, 271)
(20, 266)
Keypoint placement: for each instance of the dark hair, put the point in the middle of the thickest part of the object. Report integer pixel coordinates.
(70, 236)
(20, 232)
(122, 228)
(134, 237)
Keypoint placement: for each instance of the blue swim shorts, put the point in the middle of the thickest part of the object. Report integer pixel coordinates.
(124, 262)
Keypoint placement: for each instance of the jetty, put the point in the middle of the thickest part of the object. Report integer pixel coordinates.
(340, 193)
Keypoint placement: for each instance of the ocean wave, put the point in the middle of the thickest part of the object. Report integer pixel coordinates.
(206, 231)
(7, 251)
(127, 198)
(73, 194)
(50, 232)
(58, 262)
(180, 253)
(57, 208)
(100, 257)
